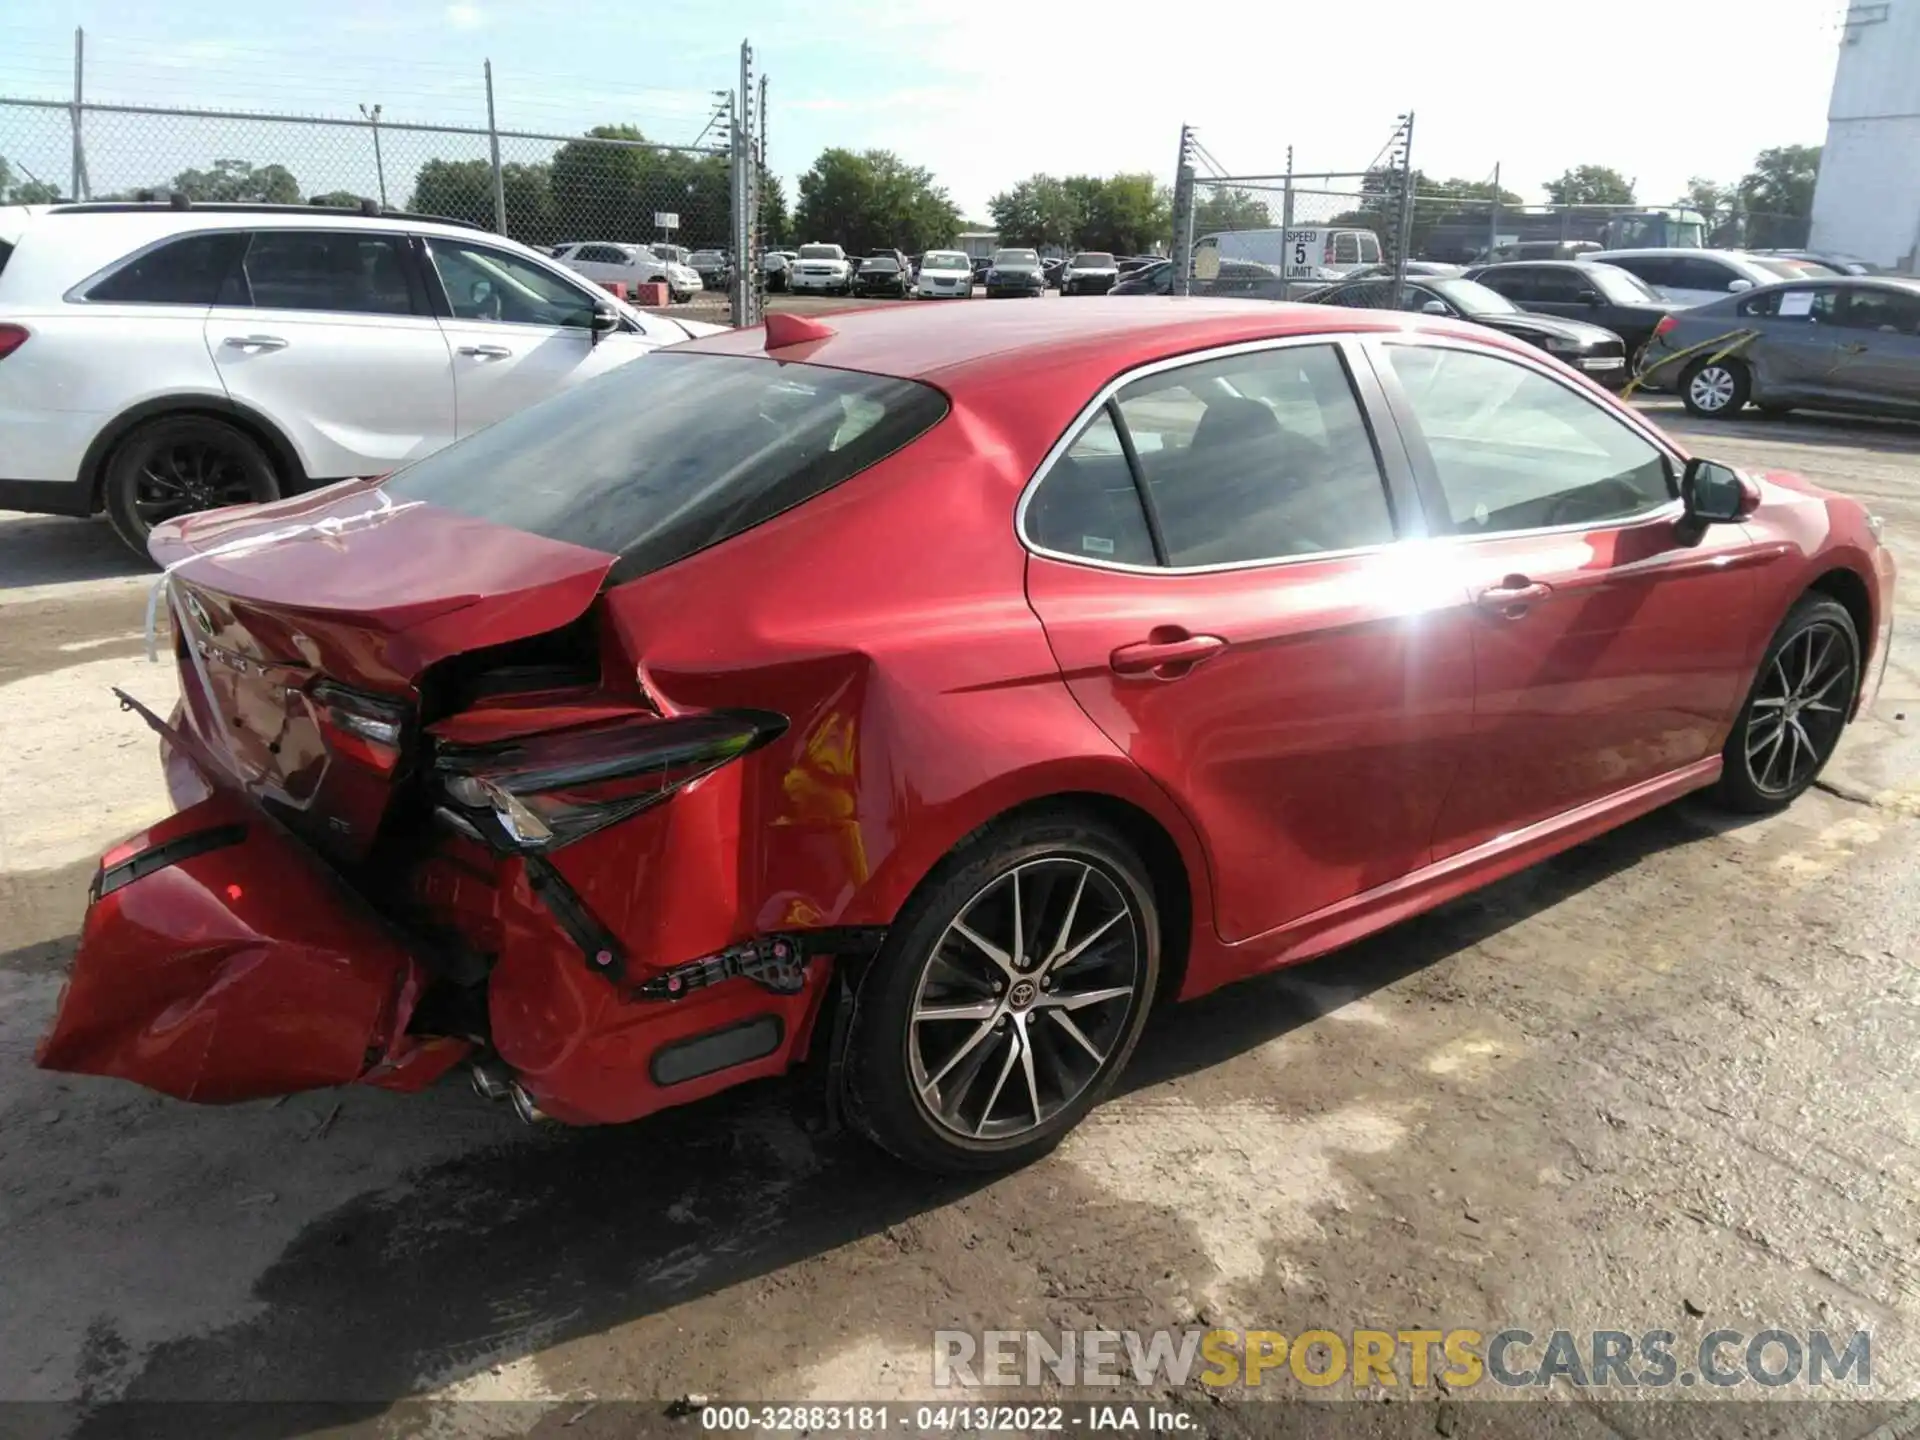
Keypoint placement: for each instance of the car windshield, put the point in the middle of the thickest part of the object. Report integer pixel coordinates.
(1470, 297)
(1093, 260)
(707, 257)
(1622, 287)
(820, 252)
(1016, 257)
(1791, 269)
(945, 260)
(669, 454)
(879, 263)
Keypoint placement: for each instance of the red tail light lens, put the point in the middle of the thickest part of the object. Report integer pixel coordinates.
(12, 337)
(545, 791)
(367, 728)
(1666, 323)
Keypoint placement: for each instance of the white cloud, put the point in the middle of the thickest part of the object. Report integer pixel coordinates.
(465, 16)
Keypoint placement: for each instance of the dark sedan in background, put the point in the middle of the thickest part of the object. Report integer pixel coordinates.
(1016, 272)
(714, 269)
(881, 275)
(1604, 295)
(1850, 344)
(1599, 353)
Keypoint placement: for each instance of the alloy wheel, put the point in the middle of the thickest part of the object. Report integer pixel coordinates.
(185, 476)
(1025, 998)
(1799, 708)
(1712, 387)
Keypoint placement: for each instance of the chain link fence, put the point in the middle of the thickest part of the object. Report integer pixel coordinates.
(543, 190)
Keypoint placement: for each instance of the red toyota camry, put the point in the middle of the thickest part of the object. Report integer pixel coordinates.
(924, 697)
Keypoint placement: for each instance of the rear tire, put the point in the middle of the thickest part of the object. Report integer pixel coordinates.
(1716, 389)
(1041, 1028)
(1796, 711)
(179, 465)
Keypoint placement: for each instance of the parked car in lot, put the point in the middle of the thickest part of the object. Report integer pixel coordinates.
(1132, 263)
(944, 273)
(544, 753)
(605, 262)
(1015, 272)
(1849, 344)
(981, 265)
(1694, 277)
(881, 275)
(1598, 353)
(715, 269)
(823, 269)
(777, 265)
(1154, 279)
(1306, 252)
(1091, 272)
(1542, 250)
(156, 361)
(1414, 267)
(1604, 295)
(1832, 260)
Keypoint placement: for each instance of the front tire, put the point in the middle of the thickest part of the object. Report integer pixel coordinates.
(1796, 710)
(1008, 997)
(179, 465)
(1716, 389)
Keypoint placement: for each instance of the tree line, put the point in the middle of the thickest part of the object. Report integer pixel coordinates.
(610, 183)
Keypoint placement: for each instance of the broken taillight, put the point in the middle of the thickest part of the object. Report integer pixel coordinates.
(544, 791)
(369, 728)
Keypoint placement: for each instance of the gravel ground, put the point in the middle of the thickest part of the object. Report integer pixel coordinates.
(1666, 1080)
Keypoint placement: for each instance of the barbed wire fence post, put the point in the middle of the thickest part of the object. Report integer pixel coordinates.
(1183, 199)
(493, 146)
(743, 172)
(1401, 217)
(80, 187)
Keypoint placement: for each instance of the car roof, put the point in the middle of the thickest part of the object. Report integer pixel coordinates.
(1080, 346)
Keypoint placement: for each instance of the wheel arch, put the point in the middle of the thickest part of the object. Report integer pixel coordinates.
(1844, 585)
(256, 426)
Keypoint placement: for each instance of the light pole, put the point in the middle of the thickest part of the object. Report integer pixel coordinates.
(379, 165)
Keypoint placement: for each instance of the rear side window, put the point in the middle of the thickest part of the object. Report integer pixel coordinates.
(322, 270)
(187, 271)
(1346, 248)
(1514, 284)
(672, 453)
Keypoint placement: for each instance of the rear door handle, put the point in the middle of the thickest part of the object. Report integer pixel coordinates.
(256, 342)
(486, 352)
(1169, 656)
(1513, 595)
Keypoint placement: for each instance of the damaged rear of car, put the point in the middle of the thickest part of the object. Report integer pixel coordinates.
(449, 790)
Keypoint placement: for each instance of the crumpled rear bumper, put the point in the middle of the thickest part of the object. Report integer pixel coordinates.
(221, 960)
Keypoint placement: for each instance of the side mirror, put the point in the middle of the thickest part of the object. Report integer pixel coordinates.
(605, 320)
(1736, 287)
(1434, 307)
(1716, 494)
(1590, 297)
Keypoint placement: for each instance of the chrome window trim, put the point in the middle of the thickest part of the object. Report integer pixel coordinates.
(1334, 339)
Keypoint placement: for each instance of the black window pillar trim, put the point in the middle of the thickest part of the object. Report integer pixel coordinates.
(1120, 428)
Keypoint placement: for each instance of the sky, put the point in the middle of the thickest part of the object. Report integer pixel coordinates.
(981, 95)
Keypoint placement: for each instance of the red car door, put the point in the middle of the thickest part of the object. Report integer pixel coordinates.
(1609, 641)
(1235, 615)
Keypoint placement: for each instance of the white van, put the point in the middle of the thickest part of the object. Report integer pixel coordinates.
(1306, 252)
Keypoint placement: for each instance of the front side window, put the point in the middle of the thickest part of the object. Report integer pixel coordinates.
(1515, 284)
(1892, 312)
(1560, 287)
(1261, 456)
(1653, 269)
(1514, 450)
(1801, 306)
(603, 255)
(322, 270)
(1369, 250)
(187, 271)
(487, 284)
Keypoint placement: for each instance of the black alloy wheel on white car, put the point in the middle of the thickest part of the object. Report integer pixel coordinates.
(1008, 996)
(177, 465)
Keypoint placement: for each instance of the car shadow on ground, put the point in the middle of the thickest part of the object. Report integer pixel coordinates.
(582, 1231)
(55, 549)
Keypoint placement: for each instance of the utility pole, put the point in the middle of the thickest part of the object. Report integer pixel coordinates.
(1493, 216)
(79, 186)
(379, 165)
(493, 143)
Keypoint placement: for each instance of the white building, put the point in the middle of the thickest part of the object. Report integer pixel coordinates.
(1867, 202)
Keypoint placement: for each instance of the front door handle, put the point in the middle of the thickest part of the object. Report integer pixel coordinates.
(1513, 595)
(256, 342)
(1168, 653)
(486, 352)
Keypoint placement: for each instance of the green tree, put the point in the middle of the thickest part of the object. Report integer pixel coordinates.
(1218, 209)
(336, 200)
(1127, 213)
(873, 200)
(1040, 210)
(1590, 185)
(237, 182)
(608, 191)
(773, 211)
(463, 190)
(1777, 194)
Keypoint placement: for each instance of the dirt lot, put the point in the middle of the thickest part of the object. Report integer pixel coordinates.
(1665, 1081)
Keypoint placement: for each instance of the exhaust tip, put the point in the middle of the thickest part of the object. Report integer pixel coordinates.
(490, 1080)
(523, 1105)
